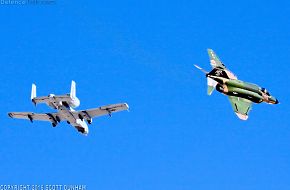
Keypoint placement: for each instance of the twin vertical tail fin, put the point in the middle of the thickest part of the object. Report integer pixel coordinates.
(73, 90)
(211, 84)
(33, 93)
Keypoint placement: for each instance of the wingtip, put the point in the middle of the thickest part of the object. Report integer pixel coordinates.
(242, 116)
(127, 106)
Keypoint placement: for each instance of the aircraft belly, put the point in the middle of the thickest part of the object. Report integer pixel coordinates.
(79, 124)
(65, 113)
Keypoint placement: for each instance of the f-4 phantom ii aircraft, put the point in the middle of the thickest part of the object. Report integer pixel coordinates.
(241, 94)
(64, 104)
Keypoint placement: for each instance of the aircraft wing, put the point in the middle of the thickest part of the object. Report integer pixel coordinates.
(103, 110)
(36, 116)
(214, 60)
(241, 106)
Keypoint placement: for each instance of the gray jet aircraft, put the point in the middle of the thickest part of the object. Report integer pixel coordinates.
(64, 104)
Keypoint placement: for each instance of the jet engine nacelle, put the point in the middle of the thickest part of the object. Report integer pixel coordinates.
(86, 117)
(74, 103)
(52, 119)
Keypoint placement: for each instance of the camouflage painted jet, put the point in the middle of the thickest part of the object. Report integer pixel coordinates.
(241, 94)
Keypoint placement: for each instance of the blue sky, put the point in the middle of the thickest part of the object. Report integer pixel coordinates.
(142, 53)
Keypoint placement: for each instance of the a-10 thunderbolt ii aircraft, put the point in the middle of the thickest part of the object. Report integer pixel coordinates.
(241, 94)
(64, 104)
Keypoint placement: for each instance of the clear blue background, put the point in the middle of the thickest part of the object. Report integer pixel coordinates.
(142, 52)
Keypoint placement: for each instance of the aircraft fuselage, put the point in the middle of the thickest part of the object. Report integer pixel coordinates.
(238, 88)
(79, 124)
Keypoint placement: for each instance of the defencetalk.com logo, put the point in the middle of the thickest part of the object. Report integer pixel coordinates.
(27, 2)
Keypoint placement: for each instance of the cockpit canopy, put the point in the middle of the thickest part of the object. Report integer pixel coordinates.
(265, 91)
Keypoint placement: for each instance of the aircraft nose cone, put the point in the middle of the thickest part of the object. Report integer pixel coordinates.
(276, 102)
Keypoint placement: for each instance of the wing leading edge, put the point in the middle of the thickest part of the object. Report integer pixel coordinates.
(52, 117)
(56, 117)
(241, 106)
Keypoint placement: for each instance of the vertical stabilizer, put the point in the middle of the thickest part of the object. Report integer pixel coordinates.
(214, 59)
(73, 89)
(33, 91)
(211, 84)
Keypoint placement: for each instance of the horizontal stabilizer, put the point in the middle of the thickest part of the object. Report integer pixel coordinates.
(201, 69)
(211, 84)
